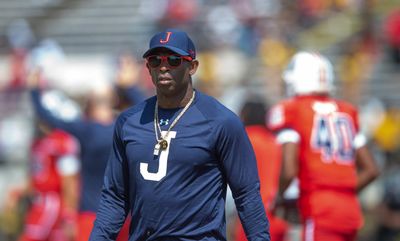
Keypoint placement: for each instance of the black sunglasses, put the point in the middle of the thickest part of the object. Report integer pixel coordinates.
(174, 61)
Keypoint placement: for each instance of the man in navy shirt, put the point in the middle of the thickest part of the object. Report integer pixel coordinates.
(174, 155)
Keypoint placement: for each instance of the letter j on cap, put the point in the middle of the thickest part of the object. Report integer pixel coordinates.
(163, 41)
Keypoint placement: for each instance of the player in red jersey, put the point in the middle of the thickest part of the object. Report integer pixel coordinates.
(268, 155)
(323, 147)
(53, 170)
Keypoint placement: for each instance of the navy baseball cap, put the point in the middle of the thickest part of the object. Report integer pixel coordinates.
(172, 39)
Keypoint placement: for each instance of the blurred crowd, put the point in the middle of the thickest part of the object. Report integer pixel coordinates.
(243, 46)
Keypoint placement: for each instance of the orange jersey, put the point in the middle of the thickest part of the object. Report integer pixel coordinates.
(327, 129)
(268, 155)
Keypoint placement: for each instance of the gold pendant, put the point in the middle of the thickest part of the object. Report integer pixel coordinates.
(163, 144)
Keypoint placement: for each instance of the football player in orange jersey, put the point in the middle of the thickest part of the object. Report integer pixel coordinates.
(268, 155)
(323, 147)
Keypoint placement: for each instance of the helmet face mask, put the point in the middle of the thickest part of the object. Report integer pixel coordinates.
(307, 73)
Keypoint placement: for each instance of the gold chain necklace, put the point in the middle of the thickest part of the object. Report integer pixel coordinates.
(162, 143)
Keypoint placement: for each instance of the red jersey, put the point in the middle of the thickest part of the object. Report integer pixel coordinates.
(268, 155)
(45, 155)
(51, 157)
(327, 129)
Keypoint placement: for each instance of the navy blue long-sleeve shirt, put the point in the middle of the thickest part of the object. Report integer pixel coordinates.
(95, 142)
(180, 194)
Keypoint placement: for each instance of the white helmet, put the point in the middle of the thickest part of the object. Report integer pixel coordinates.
(309, 72)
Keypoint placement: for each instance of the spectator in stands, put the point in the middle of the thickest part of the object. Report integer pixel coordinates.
(20, 38)
(392, 27)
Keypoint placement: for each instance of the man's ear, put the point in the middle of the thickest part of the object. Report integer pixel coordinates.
(148, 67)
(193, 66)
